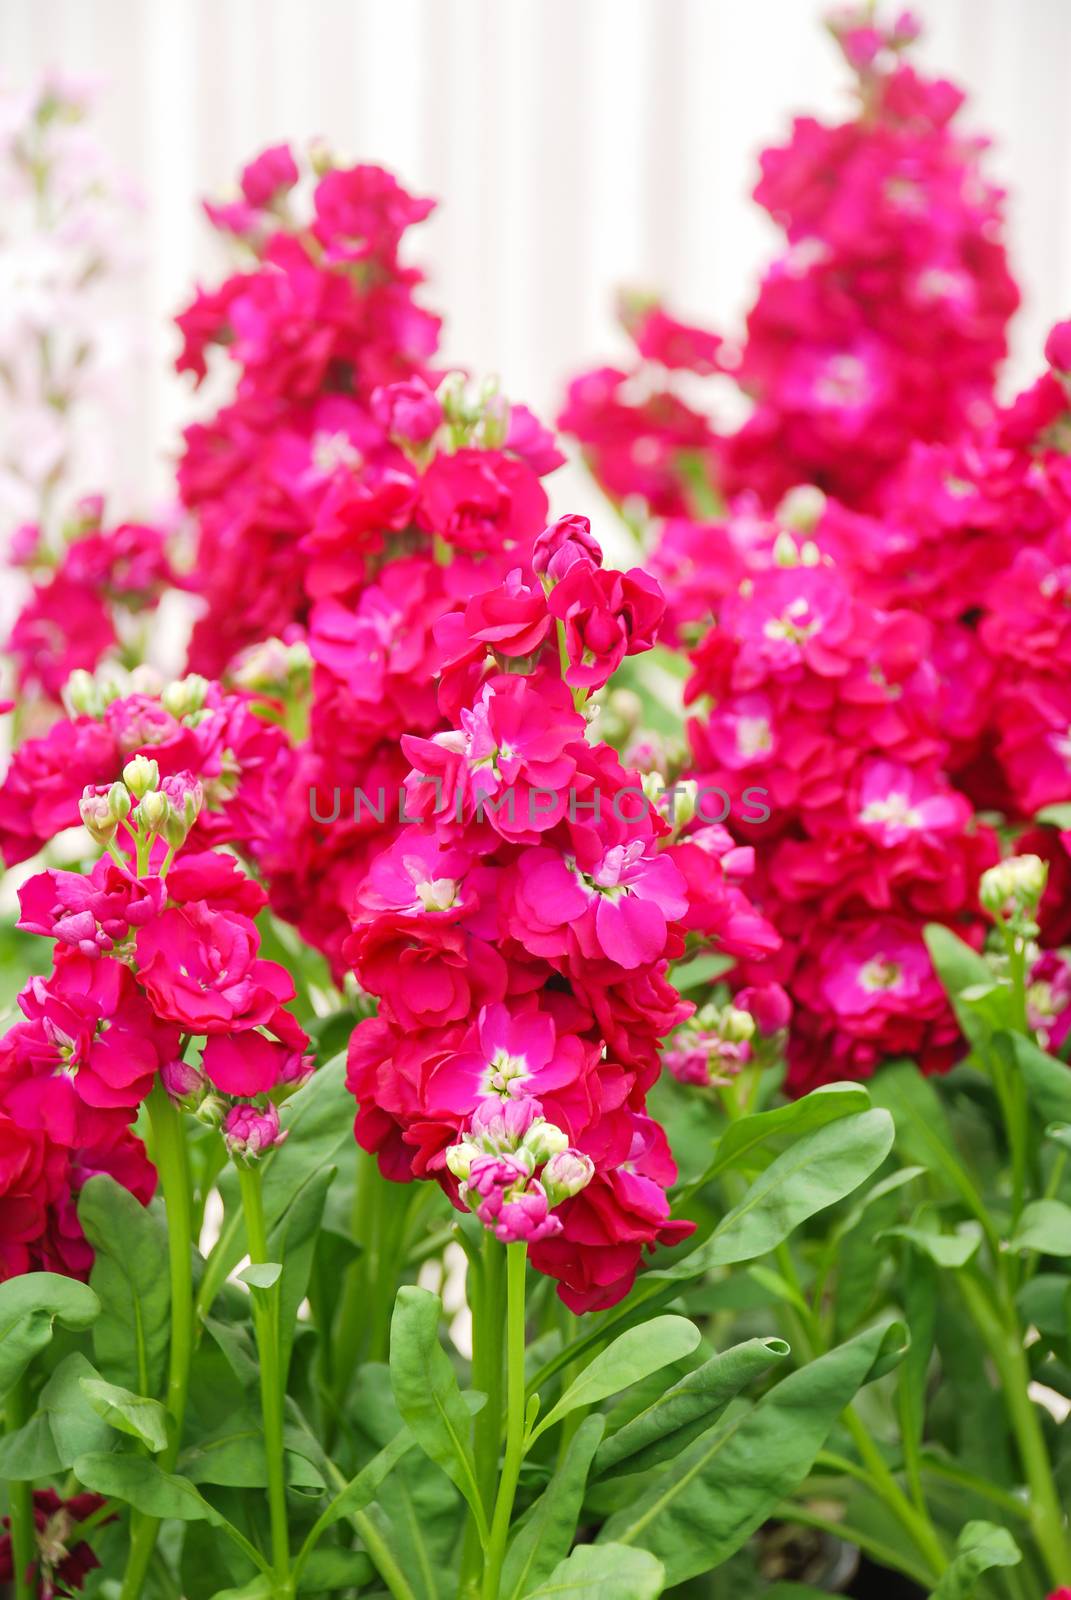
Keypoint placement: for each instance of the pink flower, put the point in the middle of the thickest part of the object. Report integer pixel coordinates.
(618, 906)
(89, 914)
(607, 616)
(408, 410)
(249, 1130)
(103, 1035)
(481, 500)
(562, 545)
(364, 211)
(44, 783)
(511, 618)
(1058, 347)
(249, 1063)
(269, 175)
(528, 438)
(505, 1053)
(509, 763)
(200, 969)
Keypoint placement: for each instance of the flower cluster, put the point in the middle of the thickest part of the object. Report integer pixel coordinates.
(893, 266)
(66, 331)
(518, 933)
(302, 476)
(832, 706)
(155, 947)
(83, 604)
(60, 1566)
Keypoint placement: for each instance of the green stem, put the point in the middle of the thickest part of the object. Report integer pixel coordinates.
(886, 1555)
(172, 1163)
(266, 1322)
(915, 1522)
(20, 1502)
(352, 1329)
(1003, 1339)
(516, 1269)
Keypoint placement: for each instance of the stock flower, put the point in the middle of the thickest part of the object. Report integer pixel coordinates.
(101, 1035)
(563, 544)
(407, 410)
(58, 1566)
(481, 500)
(249, 1063)
(607, 616)
(200, 969)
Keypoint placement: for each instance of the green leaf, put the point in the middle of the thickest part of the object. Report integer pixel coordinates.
(363, 1488)
(63, 1426)
(1045, 1301)
(980, 1547)
(544, 1537)
(336, 1569)
(603, 1572)
(922, 1130)
(262, 1274)
(145, 1486)
(818, 1170)
(949, 1250)
(750, 1144)
(29, 1307)
(632, 1356)
(130, 1337)
(1048, 1080)
(691, 1406)
(708, 1501)
(957, 964)
(426, 1389)
(700, 971)
(133, 1414)
(233, 1456)
(1045, 1226)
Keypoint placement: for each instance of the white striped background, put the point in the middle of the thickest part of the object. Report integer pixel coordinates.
(575, 145)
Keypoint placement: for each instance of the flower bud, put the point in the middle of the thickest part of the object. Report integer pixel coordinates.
(494, 428)
(565, 1174)
(154, 808)
(249, 1131)
(82, 696)
(185, 801)
(562, 544)
(185, 696)
(1016, 884)
(801, 509)
(119, 801)
(683, 801)
(736, 1026)
(183, 1082)
(141, 774)
(544, 1140)
(459, 1158)
(212, 1110)
(96, 814)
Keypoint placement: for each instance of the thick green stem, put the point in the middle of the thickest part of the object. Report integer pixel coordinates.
(266, 1323)
(1003, 1339)
(516, 1269)
(20, 1503)
(916, 1523)
(352, 1329)
(172, 1163)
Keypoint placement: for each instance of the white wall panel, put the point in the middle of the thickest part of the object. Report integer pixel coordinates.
(574, 145)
